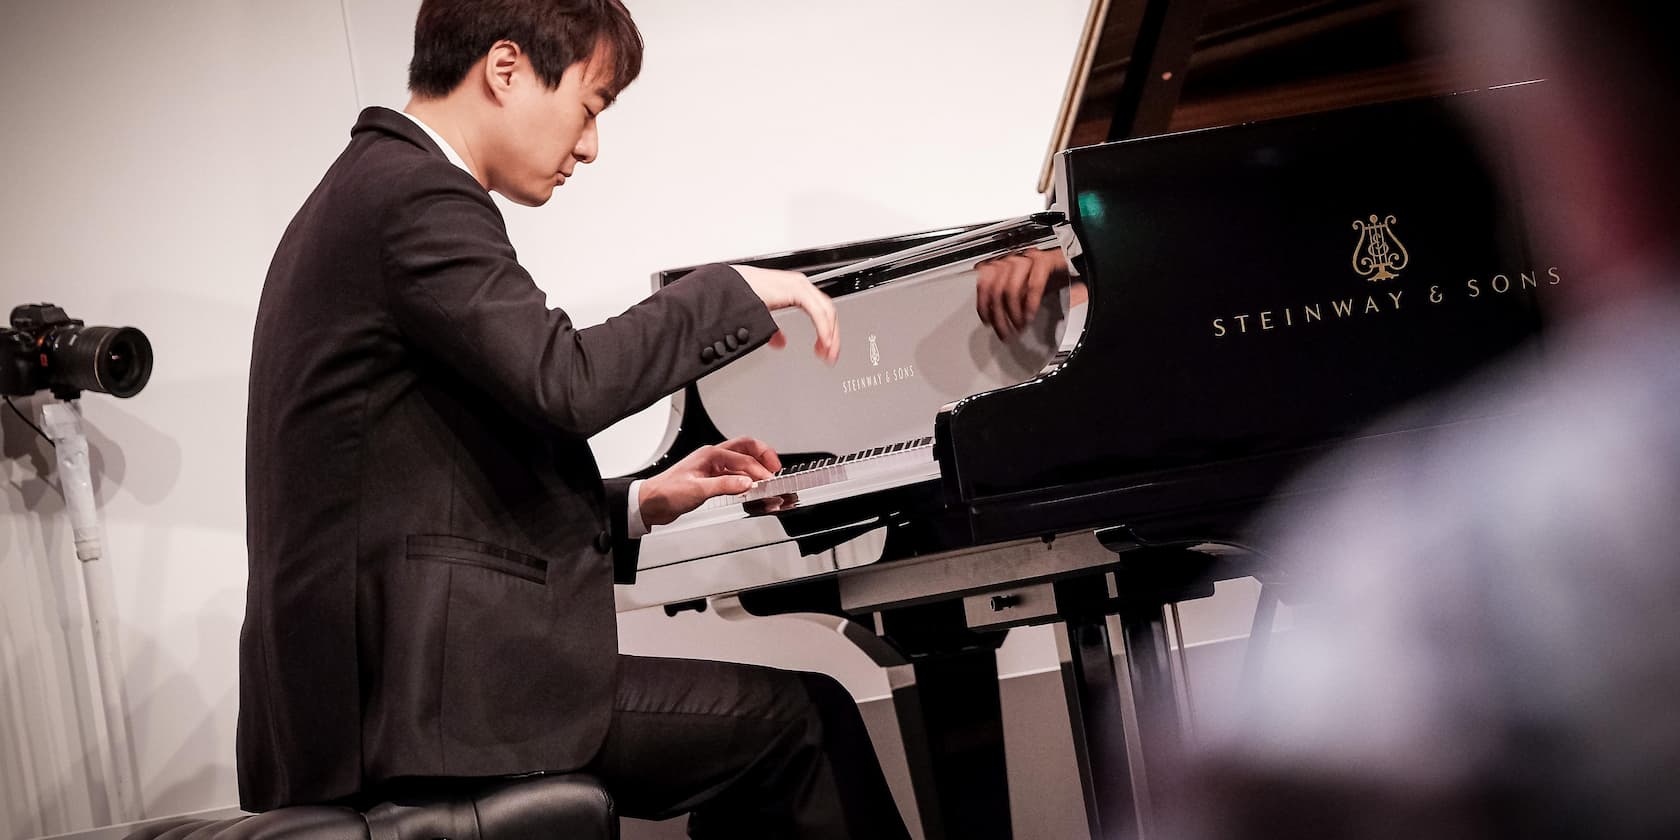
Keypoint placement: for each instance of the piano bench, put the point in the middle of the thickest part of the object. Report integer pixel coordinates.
(572, 807)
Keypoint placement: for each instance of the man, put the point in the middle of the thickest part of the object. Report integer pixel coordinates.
(1491, 646)
(432, 549)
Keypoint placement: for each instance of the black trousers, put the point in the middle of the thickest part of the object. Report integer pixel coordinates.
(747, 751)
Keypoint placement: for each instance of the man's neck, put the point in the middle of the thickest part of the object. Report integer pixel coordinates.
(442, 116)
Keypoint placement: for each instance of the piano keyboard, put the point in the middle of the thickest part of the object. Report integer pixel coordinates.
(814, 482)
(880, 461)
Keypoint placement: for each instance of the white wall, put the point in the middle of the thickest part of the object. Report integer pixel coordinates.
(157, 149)
(155, 152)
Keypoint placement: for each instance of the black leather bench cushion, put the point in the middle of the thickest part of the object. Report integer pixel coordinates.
(531, 808)
(314, 823)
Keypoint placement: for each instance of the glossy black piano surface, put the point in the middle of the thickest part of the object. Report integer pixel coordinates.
(1238, 322)
(1258, 295)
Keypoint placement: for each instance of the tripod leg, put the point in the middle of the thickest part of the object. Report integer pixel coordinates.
(63, 424)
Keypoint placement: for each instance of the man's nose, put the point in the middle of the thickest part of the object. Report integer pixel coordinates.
(588, 145)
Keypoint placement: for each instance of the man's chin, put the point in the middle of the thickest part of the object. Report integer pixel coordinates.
(530, 199)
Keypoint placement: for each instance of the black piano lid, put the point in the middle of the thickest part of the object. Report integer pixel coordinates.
(827, 257)
(970, 244)
(857, 266)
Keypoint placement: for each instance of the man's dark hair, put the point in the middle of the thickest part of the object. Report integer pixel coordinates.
(450, 36)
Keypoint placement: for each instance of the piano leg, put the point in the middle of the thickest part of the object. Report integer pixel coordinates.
(1099, 711)
(950, 715)
(1128, 722)
(1154, 693)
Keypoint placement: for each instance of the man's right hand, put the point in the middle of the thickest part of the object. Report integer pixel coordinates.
(784, 289)
(725, 469)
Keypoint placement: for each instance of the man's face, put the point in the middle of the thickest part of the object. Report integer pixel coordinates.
(544, 134)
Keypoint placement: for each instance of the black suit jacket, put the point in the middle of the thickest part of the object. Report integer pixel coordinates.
(432, 549)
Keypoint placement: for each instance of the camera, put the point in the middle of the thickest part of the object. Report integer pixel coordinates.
(47, 349)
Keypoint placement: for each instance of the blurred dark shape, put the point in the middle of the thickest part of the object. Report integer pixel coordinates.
(1490, 643)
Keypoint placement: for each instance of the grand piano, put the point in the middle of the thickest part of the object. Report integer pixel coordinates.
(1258, 295)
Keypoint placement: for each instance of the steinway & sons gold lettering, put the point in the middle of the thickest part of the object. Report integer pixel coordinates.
(1375, 305)
(885, 377)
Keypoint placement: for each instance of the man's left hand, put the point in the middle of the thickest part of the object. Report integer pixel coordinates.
(725, 469)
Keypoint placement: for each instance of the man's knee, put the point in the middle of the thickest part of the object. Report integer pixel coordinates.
(831, 708)
(825, 691)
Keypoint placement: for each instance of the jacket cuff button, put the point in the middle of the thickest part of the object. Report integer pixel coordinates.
(730, 341)
(743, 334)
(707, 354)
(603, 542)
(717, 347)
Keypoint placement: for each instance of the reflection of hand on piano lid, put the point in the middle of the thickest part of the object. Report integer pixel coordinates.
(726, 469)
(1011, 287)
(770, 504)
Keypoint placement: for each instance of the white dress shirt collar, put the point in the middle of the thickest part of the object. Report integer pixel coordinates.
(448, 150)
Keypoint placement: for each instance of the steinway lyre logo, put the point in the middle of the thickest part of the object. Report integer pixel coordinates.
(885, 376)
(1379, 254)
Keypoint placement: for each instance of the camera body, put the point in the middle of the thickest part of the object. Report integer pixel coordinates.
(46, 349)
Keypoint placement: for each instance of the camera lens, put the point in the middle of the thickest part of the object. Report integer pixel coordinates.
(113, 360)
(119, 364)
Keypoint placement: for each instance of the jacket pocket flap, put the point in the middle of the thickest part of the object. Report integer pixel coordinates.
(450, 549)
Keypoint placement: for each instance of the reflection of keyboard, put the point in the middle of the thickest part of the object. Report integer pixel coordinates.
(910, 460)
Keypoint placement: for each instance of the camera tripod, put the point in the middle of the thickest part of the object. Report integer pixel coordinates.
(61, 421)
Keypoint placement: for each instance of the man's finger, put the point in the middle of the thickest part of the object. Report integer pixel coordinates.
(757, 449)
(821, 311)
(777, 339)
(833, 317)
(833, 331)
(723, 485)
(737, 462)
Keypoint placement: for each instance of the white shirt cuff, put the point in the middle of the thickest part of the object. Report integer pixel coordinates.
(633, 521)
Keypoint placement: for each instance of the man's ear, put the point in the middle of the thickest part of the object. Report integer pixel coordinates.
(499, 67)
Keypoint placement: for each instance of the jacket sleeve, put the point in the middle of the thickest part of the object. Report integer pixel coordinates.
(625, 551)
(457, 292)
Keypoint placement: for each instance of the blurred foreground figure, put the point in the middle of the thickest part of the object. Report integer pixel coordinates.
(1491, 645)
